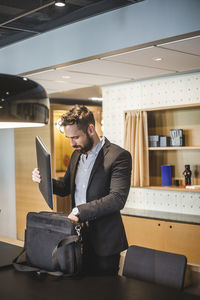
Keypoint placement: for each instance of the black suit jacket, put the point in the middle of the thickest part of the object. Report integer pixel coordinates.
(107, 192)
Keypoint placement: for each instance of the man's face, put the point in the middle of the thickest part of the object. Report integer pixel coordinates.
(79, 140)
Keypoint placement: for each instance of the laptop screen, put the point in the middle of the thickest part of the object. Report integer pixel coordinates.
(44, 166)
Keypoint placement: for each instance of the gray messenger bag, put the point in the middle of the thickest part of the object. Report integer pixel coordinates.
(52, 245)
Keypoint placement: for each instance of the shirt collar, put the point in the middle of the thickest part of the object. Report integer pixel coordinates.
(98, 146)
(96, 149)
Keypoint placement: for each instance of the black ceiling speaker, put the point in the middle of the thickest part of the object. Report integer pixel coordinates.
(23, 102)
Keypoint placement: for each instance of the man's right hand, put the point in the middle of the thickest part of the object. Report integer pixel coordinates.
(36, 175)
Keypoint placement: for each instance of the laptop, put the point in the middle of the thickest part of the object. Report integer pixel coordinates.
(44, 166)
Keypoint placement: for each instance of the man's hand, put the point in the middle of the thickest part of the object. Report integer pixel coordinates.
(36, 175)
(73, 217)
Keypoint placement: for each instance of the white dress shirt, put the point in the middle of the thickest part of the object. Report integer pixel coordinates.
(84, 169)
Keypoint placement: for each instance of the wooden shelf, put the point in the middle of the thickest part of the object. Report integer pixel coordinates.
(173, 188)
(160, 122)
(174, 148)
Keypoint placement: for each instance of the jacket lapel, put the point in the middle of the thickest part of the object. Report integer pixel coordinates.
(99, 159)
(73, 173)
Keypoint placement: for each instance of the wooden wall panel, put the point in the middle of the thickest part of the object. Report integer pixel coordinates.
(165, 236)
(144, 232)
(28, 196)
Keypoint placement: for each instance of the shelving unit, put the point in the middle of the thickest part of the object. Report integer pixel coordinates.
(160, 122)
(174, 188)
(174, 148)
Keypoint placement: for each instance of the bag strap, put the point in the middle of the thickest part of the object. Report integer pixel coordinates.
(78, 255)
(22, 267)
(25, 268)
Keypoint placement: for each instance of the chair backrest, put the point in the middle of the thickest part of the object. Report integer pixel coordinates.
(155, 266)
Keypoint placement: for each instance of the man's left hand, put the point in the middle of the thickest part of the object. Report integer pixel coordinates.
(73, 218)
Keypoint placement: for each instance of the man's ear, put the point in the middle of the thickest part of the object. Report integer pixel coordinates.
(91, 129)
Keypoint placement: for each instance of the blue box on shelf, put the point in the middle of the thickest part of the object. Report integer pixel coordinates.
(166, 175)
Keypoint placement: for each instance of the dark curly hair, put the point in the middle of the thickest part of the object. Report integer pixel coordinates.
(79, 115)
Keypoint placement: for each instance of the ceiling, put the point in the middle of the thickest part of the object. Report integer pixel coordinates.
(21, 19)
(177, 57)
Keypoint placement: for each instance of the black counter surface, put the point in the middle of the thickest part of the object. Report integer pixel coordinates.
(161, 215)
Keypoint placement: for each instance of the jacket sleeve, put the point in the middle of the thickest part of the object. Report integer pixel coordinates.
(61, 187)
(120, 176)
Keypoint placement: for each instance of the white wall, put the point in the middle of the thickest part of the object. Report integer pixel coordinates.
(7, 184)
(161, 92)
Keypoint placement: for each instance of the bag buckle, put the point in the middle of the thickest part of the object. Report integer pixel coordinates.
(78, 229)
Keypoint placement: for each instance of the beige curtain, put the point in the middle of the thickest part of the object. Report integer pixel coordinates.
(136, 142)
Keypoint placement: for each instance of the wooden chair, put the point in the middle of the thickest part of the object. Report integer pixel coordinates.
(155, 266)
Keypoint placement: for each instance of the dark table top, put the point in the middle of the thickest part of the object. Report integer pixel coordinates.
(15, 285)
(7, 253)
(28, 286)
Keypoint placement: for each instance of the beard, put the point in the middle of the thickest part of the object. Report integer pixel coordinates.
(87, 147)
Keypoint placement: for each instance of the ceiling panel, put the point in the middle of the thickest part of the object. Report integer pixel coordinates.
(55, 86)
(116, 69)
(191, 46)
(125, 67)
(52, 74)
(83, 93)
(61, 80)
(93, 79)
(170, 60)
(74, 76)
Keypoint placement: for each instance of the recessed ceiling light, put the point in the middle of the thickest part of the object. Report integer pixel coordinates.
(60, 81)
(60, 3)
(66, 77)
(157, 58)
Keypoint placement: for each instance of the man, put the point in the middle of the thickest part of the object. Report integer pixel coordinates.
(98, 179)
